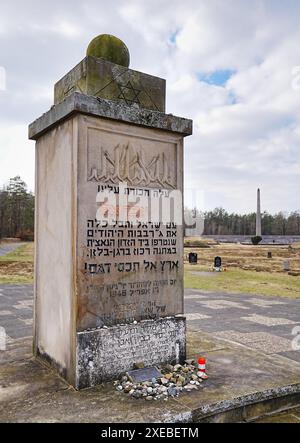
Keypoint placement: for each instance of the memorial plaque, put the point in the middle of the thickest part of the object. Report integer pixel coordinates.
(218, 262)
(144, 374)
(109, 230)
(193, 258)
(286, 265)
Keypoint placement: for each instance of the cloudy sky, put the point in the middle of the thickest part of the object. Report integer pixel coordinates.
(232, 66)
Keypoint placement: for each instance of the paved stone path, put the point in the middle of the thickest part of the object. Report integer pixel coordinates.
(16, 310)
(5, 248)
(264, 324)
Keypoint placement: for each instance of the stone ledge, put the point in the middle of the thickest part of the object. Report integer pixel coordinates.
(98, 107)
(249, 407)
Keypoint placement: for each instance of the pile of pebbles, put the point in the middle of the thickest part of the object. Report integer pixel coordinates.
(174, 380)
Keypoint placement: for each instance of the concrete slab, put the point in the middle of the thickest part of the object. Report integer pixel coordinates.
(292, 416)
(240, 381)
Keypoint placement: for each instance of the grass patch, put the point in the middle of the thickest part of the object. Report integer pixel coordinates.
(17, 266)
(237, 280)
(15, 278)
(249, 257)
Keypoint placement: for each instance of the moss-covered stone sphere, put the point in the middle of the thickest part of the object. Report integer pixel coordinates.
(109, 48)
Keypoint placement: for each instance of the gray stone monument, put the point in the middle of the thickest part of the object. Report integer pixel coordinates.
(108, 289)
(258, 215)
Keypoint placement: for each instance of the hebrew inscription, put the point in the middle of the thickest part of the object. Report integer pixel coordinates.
(130, 266)
(119, 348)
(132, 161)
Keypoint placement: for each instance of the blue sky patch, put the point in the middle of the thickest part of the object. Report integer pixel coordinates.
(173, 36)
(218, 78)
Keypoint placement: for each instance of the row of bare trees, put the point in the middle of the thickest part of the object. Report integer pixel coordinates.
(220, 222)
(17, 217)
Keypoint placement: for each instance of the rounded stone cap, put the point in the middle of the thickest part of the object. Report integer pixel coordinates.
(110, 48)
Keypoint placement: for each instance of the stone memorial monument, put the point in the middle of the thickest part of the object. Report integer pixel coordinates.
(108, 277)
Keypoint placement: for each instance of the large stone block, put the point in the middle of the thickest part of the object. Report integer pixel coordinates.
(101, 78)
(103, 354)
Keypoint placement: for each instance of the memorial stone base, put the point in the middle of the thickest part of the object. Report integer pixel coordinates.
(104, 354)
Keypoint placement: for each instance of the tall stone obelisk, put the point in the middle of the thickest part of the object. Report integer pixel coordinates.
(258, 215)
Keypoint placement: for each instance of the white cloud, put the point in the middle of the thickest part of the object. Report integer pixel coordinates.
(16, 154)
(63, 28)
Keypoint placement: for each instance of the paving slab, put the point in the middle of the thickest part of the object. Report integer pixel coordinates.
(267, 324)
(31, 392)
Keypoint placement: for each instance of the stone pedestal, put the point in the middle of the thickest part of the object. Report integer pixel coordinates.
(101, 78)
(108, 293)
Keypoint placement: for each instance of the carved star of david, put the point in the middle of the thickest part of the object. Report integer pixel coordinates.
(129, 94)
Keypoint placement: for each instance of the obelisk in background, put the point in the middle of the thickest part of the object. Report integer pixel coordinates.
(258, 215)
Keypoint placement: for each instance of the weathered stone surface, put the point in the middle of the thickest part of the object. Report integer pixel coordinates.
(109, 228)
(53, 267)
(110, 48)
(105, 274)
(127, 271)
(81, 103)
(103, 354)
(101, 78)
